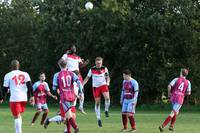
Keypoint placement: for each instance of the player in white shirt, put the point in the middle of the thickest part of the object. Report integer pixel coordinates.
(18, 83)
(100, 83)
(74, 62)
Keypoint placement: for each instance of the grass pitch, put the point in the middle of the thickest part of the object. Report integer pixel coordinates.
(147, 122)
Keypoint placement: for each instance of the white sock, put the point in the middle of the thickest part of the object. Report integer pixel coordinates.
(56, 119)
(81, 102)
(18, 125)
(98, 112)
(107, 105)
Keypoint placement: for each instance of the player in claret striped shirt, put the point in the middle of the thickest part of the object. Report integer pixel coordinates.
(177, 90)
(41, 90)
(100, 83)
(128, 100)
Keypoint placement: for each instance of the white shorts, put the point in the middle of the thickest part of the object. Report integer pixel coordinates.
(128, 106)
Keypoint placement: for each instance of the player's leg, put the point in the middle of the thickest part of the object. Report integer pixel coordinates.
(131, 112)
(72, 120)
(171, 117)
(17, 108)
(124, 116)
(176, 109)
(56, 119)
(45, 113)
(39, 110)
(81, 102)
(106, 95)
(97, 98)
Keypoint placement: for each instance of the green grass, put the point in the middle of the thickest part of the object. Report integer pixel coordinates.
(147, 122)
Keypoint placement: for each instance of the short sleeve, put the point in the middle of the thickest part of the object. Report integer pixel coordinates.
(55, 81)
(6, 81)
(172, 83)
(135, 85)
(27, 77)
(47, 87)
(35, 86)
(64, 57)
(89, 73)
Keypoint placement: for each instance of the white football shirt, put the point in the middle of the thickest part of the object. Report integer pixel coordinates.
(16, 81)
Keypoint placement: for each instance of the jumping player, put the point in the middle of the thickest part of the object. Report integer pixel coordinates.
(177, 90)
(65, 82)
(128, 100)
(74, 62)
(41, 90)
(17, 82)
(100, 83)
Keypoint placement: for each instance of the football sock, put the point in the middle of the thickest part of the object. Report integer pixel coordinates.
(73, 123)
(68, 126)
(132, 121)
(124, 121)
(44, 116)
(167, 120)
(18, 125)
(35, 117)
(98, 113)
(107, 104)
(173, 121)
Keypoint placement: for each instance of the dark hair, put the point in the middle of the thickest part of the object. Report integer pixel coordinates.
(184, 72)
(127, 72)
(42, 73)
(71, 45)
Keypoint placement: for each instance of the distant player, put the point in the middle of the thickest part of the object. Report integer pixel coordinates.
(41, 90)
(177, 90)
(74, 62)
(17, 82)
(100, 83)
(128, 100)
(65, 82)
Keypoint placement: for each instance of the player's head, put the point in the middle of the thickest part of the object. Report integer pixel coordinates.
(72, 48)
(99, 61)
(63, 64)
(42, 76)
(184, 72)
(15, 64)
(127, 74)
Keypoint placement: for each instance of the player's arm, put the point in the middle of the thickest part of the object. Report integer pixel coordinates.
(30, 92)
(136, 90)
(64, 57)
(3, 93)
(107, 77)
(80, 86)
(87, 77)
(188, 92)
(169, 87)
(122, 94)
(5, 88)
(48, 92)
